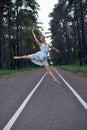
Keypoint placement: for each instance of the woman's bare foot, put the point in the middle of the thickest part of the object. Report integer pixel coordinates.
(16, 57)
(56, 80)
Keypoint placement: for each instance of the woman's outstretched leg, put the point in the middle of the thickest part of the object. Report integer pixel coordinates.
(51, 74)
(21, 57)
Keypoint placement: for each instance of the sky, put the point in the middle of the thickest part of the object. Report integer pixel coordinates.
(46, 7)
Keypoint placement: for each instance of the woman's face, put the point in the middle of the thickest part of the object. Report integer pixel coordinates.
(42, 38)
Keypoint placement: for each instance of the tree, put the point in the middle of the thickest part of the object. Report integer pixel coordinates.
(1, 33)
(68, 27)
(16, 37)
(79, 14)
(18, 4)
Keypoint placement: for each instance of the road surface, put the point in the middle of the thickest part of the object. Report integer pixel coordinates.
(32, 101)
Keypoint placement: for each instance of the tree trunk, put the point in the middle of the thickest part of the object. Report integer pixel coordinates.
(9, 33)
(17, 33)
(79, 39)
(83, 33)
(1, 33)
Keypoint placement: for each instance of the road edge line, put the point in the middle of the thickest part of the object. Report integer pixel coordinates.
(84, 104)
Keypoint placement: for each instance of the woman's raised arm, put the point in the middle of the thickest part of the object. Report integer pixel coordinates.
(34, 35)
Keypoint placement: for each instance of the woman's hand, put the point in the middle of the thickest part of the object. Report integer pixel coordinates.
(57, 50)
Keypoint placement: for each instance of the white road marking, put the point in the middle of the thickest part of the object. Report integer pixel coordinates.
(20, 109)
(84, 104)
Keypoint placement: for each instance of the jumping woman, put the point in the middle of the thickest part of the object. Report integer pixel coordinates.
(40, 57)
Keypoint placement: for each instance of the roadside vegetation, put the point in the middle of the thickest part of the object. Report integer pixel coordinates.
(74, 68)
(10, 72)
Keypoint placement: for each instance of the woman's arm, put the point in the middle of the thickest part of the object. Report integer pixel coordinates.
(37, 41)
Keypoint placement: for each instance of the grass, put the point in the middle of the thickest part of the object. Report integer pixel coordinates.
(74, 68)
(10, 72)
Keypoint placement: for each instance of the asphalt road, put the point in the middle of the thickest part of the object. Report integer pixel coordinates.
(32, 101)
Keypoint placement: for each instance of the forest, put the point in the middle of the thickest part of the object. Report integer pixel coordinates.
(69, 32)
(68, 27)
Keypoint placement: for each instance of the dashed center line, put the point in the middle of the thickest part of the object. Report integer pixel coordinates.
(10, 123)
(84, 104)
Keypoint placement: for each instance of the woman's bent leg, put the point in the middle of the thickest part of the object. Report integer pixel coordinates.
(51, 74)
(21, 57)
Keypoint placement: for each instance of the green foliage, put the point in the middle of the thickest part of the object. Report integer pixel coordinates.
(18, 17)
(10, 72)
(74, 68)
(68, 27)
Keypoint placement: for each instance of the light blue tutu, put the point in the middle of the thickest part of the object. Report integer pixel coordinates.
(40, 57)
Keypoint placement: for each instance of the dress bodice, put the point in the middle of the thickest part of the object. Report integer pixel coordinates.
(44, 48)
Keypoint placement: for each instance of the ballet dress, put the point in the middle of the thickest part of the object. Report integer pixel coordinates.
(40, 57)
